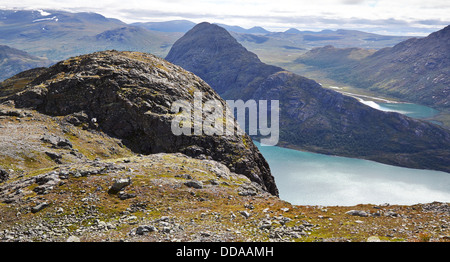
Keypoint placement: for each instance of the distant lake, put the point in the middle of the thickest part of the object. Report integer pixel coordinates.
(409, 109)
(314, 179)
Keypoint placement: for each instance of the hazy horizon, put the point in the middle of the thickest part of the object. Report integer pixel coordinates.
(416, 18)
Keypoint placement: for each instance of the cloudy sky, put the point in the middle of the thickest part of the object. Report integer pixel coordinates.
(401, 17)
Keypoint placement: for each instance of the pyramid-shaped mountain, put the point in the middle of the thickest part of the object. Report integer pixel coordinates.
(215, 56)
(311, 118)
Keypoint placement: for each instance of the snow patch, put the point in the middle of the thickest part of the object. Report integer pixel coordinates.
(46, 19)
(43, 13)
(374, 105)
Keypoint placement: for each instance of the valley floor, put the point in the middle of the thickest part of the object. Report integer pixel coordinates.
(287, 62)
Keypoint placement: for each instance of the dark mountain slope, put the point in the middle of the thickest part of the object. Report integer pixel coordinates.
(311, 118)
(13, 61)
(215, 56)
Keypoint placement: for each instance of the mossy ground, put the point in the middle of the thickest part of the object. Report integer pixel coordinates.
(214, 208)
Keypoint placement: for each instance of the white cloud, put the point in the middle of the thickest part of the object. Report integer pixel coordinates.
(271, 14)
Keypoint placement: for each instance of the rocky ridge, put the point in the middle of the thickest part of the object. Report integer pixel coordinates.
(128, 95)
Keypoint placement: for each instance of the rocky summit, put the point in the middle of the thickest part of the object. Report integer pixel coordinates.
(128, 95)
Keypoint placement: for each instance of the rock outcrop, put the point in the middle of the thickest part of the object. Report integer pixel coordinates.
(128, 95)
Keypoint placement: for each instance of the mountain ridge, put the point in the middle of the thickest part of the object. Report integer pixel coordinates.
(415, 70)
(59, 35)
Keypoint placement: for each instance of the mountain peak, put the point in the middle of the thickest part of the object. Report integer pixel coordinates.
(210, 48)
(209, 29)
(130, 95)
(443, 33)
(292, 31)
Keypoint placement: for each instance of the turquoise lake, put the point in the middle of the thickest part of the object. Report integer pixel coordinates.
(412, 110)
(305, 178)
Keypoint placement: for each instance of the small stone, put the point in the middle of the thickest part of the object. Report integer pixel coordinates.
(373, 239)
(391, 214)
(56, 141)
(194, 184)
(245, 214)
(247, 193)
(266, 224)
(119, 185)
(185, 176)
(54, 156)
(357, 213)
(123, 196)
(39, 207)
(4, 175)
(141, 230)
(73, 239)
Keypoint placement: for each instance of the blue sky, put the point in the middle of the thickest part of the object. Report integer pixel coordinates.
(400, 17)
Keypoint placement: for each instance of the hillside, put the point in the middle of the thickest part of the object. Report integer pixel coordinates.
(14, 61)
(128, 95)
(59, 34)
(181, 26)
(311, 117)
(71, 173)
(330, 56)
(415, 70)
